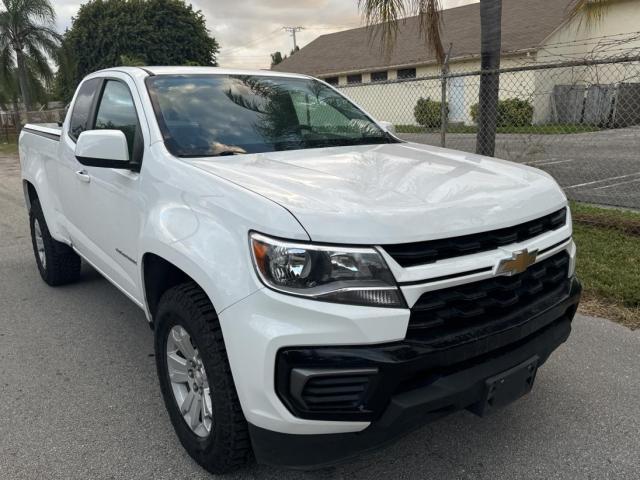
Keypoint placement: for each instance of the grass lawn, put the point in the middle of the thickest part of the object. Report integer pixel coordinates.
(608, 262)
(527, 129)
(8, 148)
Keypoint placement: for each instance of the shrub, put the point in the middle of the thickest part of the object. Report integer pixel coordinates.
(427, 113)
(512, 112)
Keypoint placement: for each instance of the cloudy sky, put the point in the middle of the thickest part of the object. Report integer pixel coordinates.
(249, 30)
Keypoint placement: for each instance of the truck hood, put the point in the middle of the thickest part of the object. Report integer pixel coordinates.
(392, 193)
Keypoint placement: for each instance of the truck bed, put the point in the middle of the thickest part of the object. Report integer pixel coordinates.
(48, 130)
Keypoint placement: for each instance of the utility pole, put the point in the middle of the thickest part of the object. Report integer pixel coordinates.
(292, 31)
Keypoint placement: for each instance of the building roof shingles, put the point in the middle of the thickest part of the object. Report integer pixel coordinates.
(525, 24)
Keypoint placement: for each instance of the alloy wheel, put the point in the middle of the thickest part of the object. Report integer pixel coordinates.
(189, 381)
(39, 243)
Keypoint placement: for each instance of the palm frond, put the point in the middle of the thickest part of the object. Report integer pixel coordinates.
(42, 39)
(430, 14)
(589, 12)
(39, 64)
(37, 86)
(383, 17)
(7, 61)
(40, 10)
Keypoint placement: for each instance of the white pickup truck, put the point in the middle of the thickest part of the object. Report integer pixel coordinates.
(316, 285)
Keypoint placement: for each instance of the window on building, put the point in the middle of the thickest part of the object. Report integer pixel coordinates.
(332, 80)
(406, 73)
(354, 78)
(379, 76)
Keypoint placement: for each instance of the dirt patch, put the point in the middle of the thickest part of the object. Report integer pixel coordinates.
(629, 226)
(597, 307)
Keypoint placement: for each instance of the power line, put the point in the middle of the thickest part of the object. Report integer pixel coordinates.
(292, 31)
(252, 42)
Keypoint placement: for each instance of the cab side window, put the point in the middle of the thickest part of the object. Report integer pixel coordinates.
(82, 107)
(118, 112)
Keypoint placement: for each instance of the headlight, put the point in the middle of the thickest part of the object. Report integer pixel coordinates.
(357, 276)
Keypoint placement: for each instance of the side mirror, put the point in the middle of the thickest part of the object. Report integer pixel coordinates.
(388, 126)
(103, 148)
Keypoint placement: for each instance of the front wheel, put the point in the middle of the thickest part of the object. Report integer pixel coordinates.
(196, 382)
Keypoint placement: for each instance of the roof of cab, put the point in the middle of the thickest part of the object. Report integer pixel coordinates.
(188, 70)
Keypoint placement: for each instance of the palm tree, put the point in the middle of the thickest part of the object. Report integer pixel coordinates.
(590, 12)
(385, 15)
(27, 41)
(490, 53)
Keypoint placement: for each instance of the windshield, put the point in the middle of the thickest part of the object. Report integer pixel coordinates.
(212, 115)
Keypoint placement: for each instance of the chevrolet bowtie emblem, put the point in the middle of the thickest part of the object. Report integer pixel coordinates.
(518, 263)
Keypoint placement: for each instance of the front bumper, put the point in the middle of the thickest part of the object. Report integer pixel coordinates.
(413, 384)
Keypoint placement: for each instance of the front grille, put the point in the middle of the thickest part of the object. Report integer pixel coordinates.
(475, 309)
(334, 393)
(420, 253)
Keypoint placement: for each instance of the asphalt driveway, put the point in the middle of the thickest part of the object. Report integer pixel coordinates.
(79, 395)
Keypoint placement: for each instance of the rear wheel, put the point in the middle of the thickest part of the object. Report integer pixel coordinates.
(196, 382)
(57, 263)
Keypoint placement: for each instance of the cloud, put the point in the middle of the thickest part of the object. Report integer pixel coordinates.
(249, 30)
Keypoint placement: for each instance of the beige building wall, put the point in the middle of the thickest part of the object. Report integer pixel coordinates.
(616, 35)
(395, 102)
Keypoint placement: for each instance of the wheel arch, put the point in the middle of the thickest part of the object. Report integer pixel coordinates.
(30, 193)
(161, 271)
(158, 276)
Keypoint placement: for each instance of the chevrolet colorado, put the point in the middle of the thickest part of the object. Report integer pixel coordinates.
(316, 286)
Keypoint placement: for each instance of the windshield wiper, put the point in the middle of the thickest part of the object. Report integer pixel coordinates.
(345, 142)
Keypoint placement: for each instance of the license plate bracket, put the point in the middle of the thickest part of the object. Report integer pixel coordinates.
(507, 386)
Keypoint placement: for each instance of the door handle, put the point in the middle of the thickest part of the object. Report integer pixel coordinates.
(83, 176)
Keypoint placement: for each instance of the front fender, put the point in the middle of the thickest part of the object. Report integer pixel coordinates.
(200, 223)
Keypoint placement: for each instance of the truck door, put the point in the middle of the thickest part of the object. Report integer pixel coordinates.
(68, 168)
(108, 211)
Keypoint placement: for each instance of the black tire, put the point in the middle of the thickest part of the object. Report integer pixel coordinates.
(62, 265)
(227, 447)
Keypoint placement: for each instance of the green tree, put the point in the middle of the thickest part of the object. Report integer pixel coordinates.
(512, 112)
(108, 33)
(27, 39)
(9, 92)
(427, 112)
(276, 58)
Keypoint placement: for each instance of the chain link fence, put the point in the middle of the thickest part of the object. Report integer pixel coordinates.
(12, 121)
(578, 120)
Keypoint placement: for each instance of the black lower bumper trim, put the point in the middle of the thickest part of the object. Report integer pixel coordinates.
(457, 386)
